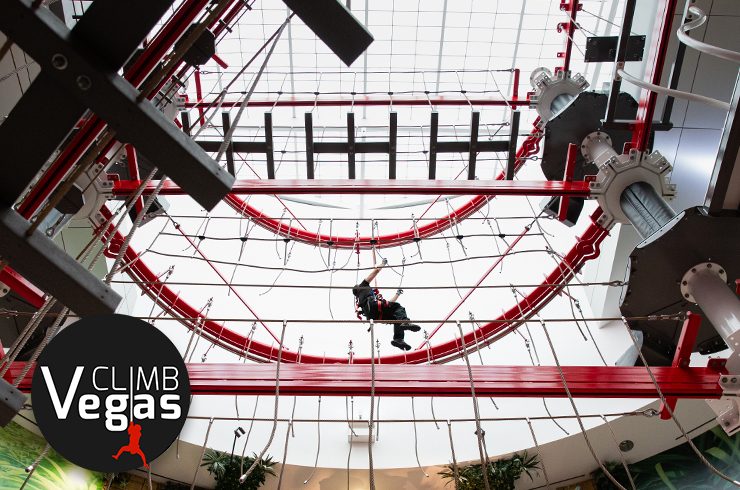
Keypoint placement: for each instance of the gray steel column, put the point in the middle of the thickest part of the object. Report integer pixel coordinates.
(718, 302)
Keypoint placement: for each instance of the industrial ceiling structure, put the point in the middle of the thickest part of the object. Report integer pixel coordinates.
(227, 170)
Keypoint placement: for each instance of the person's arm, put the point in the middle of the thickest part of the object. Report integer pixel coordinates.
(399, 292)
(376, 271)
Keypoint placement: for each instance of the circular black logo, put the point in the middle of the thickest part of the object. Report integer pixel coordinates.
(110, 393)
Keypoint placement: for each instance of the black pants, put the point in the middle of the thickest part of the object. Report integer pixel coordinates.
(394, 311)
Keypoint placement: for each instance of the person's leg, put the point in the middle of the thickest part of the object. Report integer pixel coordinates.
(390, 312)
(399, 313)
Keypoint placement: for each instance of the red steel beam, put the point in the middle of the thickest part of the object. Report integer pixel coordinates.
(569, 27)
(570, 166)
(380, 186)
(682, 356)
(18, 284)
(654, 69)
(441, 380)
(364, 101)
(231, 339)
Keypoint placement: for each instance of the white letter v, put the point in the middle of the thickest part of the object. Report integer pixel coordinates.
(62, 409)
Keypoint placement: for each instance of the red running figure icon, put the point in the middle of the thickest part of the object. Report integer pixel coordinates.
(134, 435)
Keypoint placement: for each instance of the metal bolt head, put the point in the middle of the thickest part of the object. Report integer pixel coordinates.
(84, 82)
(724, 379)
(59, 61)
(626, 445)
(733, 380)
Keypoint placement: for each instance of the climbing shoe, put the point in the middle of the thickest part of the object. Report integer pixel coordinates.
(411, 327)
(400, 344)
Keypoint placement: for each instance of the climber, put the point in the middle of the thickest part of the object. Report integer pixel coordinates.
(370, 303)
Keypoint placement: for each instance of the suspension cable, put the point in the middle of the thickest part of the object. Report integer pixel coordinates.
(539, 452)
(575, 411)
(455, 471)
(667, 406)
(258, 459)
(478, 430)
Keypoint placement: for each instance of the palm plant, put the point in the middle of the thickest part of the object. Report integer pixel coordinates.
(227, 468)
(502, 474)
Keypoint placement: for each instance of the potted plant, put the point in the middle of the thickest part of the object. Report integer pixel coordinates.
(227, 468)
(501, 474)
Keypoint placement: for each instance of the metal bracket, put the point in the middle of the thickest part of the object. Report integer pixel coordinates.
(716, 269)
(617, 172)
(552, 93)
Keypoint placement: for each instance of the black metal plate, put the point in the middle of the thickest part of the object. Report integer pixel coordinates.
(604, 49)
(656, 270)
(335, 25)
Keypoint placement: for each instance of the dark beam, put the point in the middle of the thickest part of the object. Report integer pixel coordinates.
(226, 122)
(392, 145)
(351, 145)
(83, 75)
(473, 145)
(309, 145)
(624, 36)
(513, 136)
(433, 133)
(724, 185)
(41, 261)
(269, 154)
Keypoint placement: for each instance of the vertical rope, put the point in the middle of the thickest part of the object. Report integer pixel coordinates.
(285, 454)
(416, 439)
(455, 471)
(258, 459)
(575, 411)
(478, 431)
(318, 447)
(539, 452)
(370, 441)
(621, 454)
(670, 411)
(202, 452)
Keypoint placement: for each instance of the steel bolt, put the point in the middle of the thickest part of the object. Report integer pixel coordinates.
(733, 380)
(59, 61)
(724, 379)
(84, 82)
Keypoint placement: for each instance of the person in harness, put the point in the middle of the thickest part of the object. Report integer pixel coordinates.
(371, 304)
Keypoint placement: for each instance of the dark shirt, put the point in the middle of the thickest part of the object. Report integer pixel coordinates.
(363, 291)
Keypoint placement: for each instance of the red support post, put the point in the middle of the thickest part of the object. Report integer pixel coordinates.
(569, 27)
(570, 166)
(199, 96)
(133, 172)
(17, 283)
(219, 61)
(654, 68)
(682, 356)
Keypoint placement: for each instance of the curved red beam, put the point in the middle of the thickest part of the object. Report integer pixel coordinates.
(586, 248)
(529, 147)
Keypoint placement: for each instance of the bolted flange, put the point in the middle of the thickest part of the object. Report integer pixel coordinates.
(553, 93)
(715, 269)
(617, 172)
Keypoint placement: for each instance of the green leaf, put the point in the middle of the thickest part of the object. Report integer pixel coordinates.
(664, 477)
